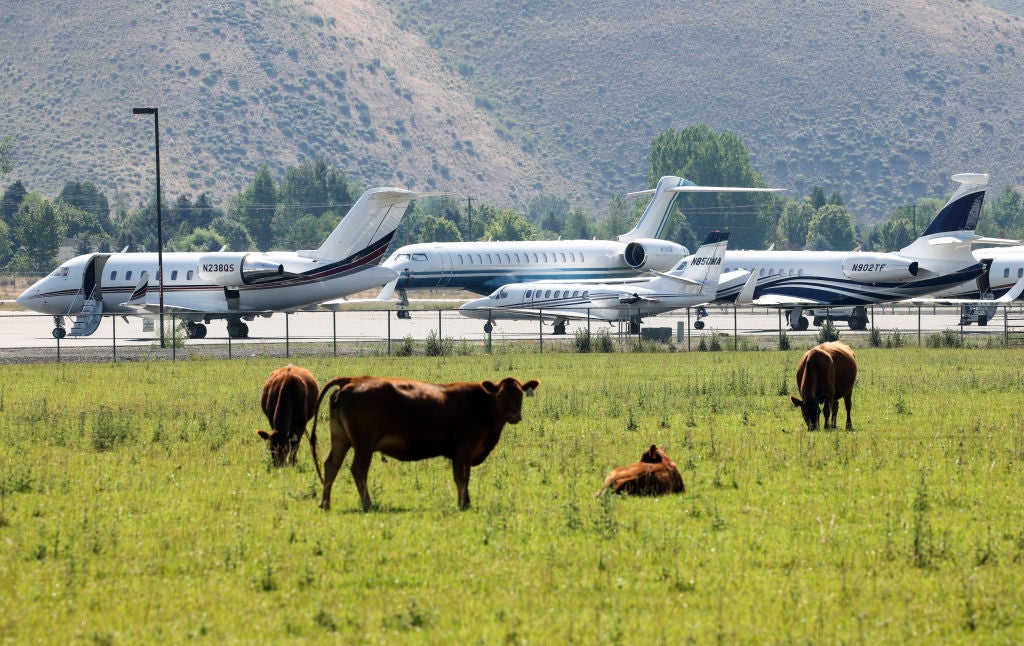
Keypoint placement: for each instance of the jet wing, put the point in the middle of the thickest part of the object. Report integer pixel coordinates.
(1012, 295)
(775, 300)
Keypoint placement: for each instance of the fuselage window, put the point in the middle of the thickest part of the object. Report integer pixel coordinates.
(557, 293)
(761, 273)
(517, 257)
(128, 275)
(563, 258)
(529, 294)
(461, 261)
(535, 258)
(586, 294)
(508, 260)
(544, 257)
(547, 293)
(479, 259)
(174, 275)
(1020, 272)
(575, 293)
(489, 261)
(799, 272)
(188, 276)
(469, 258)
(113, 275)
(1006, 273)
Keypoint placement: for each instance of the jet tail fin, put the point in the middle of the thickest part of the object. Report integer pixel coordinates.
(704, 267)
(368, 226)
(957, 220)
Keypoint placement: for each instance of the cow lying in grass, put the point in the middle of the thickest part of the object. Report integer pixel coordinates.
(655, 474)
(413, 420)
(289, 402)
(826, 372)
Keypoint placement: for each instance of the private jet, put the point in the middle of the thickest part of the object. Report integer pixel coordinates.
(233, 285)
(482, 267)
(816, 280)
(693, 281)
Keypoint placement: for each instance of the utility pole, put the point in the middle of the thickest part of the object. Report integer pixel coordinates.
(469, 212)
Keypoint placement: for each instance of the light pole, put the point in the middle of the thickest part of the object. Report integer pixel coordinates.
(159, 219)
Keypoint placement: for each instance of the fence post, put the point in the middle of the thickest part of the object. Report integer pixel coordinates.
(334, 331)
(389, 332)
(540, 330)
(287, 336)
(113, 321)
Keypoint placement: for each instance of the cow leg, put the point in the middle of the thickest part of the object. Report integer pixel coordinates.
(460, 469)
(360, 469)
(830, 412)
(339, 448)
(848, 400)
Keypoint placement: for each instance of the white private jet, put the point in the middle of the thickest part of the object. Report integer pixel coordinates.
(980, 299)
(232, 285)
(693, 281)
(482, 267)
(815, 280)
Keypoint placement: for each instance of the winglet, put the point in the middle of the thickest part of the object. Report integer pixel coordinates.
(746, 295)
(138, 296)
(1013, 294)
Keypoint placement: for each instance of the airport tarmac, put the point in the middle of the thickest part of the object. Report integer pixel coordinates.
(32, 333)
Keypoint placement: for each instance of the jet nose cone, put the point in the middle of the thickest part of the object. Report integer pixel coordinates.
(24, 297)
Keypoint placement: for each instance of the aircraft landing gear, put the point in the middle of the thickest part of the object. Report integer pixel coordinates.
(634, 326)
(488, 327)
(560, 328)
(195, 330)
(237, 329)
(797, 320)
(59, 331)
(404, 314)
(702, 312)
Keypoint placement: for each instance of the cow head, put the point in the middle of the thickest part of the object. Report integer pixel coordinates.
(654, 455)
(811, 411)
(283, 446)
(510, 393)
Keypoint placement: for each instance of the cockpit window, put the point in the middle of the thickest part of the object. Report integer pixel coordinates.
(398, 257)
(60, 271)
(419, 256)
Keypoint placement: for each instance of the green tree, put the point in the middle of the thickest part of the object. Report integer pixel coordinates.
(699, 154)
(818, 197)
(201, 239)
(6, 155)
(578, 226)
(1004, 216)
(437, 229)
(255, 206)
(234, 233)
(793, 224)
(6, 246)
(548, 212)
(37, 232)
(13, 195)
(893, 234)
(620, 219)
(831, 228)
(510, 225)
(88, 198)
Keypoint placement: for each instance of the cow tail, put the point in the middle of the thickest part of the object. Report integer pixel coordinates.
(336, 382)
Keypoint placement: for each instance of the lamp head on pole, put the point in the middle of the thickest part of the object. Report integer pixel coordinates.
(144, 110)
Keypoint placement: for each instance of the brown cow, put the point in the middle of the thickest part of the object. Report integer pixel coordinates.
(826, 373)
(289, 402)
(413, 420)
(655, 474)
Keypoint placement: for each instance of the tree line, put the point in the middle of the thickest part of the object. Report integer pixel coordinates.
(300, 209)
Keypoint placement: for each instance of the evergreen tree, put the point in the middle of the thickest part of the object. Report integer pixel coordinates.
(510, 225)
(86, 197)
(255, 206)
(13, 195)
(435, 229)
(578, 226)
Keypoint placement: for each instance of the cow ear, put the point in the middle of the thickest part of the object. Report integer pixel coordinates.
(489, 386)
(796, 402)
(265, 435)
(530, 386)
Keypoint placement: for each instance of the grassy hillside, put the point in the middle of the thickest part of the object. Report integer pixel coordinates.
(501, 101)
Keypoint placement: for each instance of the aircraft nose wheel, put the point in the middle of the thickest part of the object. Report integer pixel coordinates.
(698, 325)
(488, 328)
(59, 333)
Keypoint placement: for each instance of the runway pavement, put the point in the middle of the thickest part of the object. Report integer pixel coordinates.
(24, 330)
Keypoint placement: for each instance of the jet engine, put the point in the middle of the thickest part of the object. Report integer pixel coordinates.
(234, 269)
(660, 255)
(879, 268)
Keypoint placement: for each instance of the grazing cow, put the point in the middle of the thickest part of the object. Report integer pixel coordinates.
(655, 474)
(289, 402)
(826, 373)
(413, 420)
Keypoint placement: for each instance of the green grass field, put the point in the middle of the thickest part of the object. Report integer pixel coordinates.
(137, 506)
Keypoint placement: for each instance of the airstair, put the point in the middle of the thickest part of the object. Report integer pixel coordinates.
(89, 318)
